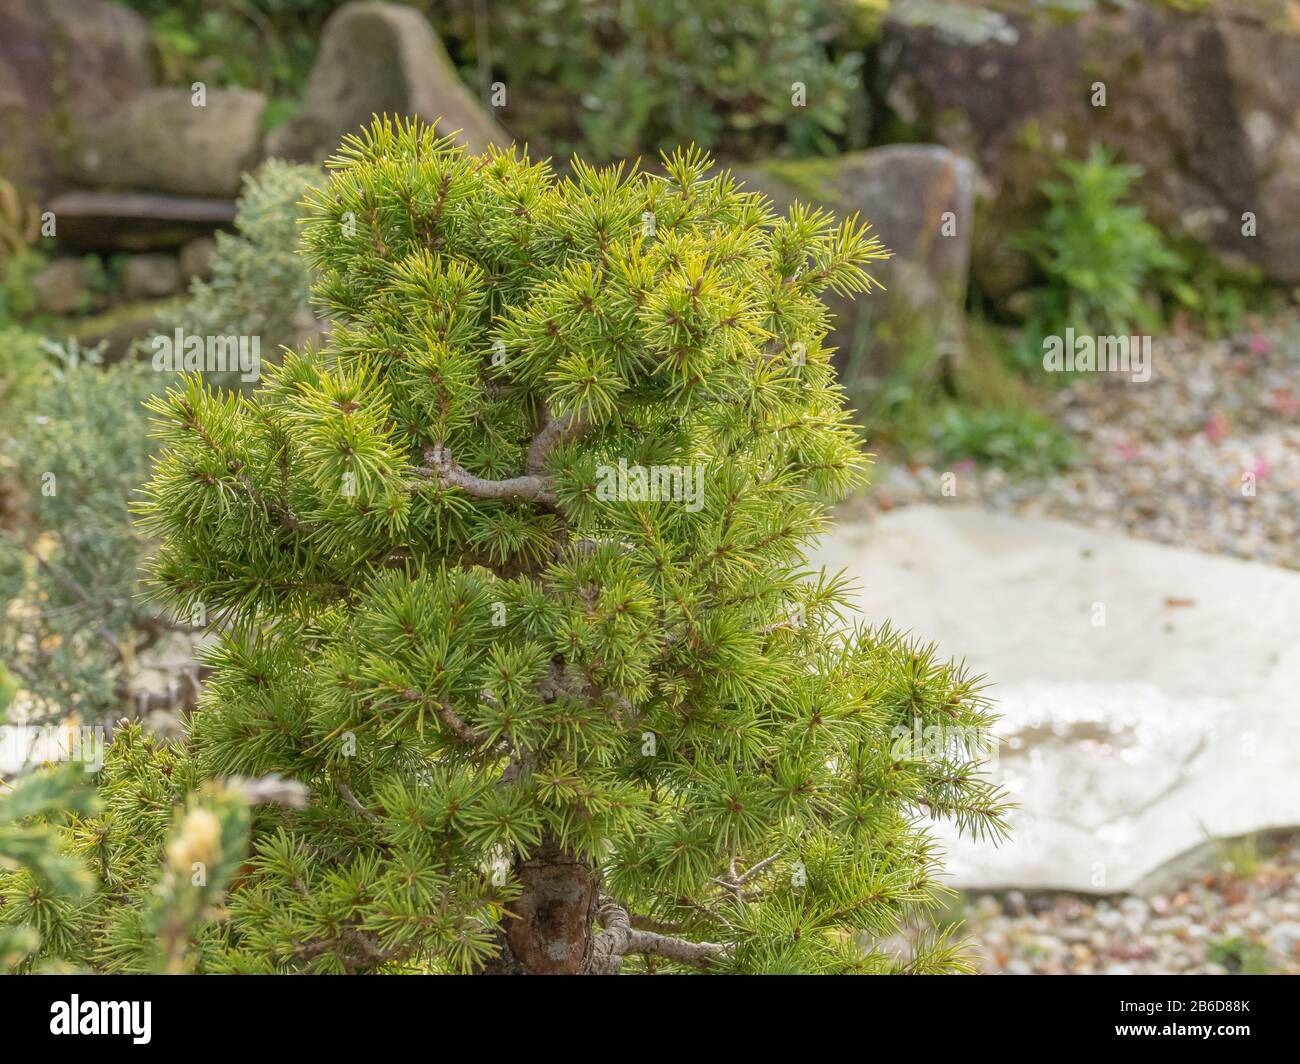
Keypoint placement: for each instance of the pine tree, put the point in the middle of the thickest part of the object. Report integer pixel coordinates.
(512, 576)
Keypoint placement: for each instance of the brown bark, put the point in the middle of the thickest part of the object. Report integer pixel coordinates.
(552, 929)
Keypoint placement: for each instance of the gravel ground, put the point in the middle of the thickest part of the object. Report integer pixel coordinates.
(1222, 924)
(1206, 454)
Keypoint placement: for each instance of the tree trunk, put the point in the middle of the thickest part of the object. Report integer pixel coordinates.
(552, 930)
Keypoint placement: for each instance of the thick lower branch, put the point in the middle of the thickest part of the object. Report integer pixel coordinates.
(619, 938)
(451, 474)
(533, 486)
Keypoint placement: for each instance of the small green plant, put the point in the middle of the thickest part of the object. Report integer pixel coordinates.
(1101, 259)
(1020, 440)
(976, 406)
(1238, 954)
(1218, 294)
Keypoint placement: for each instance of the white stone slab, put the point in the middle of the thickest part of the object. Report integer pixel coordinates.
(1151, 695)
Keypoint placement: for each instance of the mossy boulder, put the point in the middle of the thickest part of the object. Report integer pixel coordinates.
(920, 198)
(170, 140)
(1205, 102)
(64, 66)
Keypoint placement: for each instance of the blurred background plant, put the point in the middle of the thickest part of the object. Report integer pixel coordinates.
(611, 77)
(615, 78)
(267, 45)
(20, 257)
(259, 284)
(75, 452)
(74, 636)
(1101, 259)
(1107, 269)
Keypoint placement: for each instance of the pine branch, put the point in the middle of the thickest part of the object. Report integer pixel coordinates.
(558, 430)
(533, 486)
(441, 465)
(345, 792)
(449, 717)
(619, 938)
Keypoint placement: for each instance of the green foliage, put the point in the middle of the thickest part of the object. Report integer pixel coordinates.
(430, 612)
(76, 447)
(1020, 440)
(40, 884)
(1238, 954)
(17, 293)
(1099, 255)
(207, 847)
(268, 45)
(1219, 295)
(142, 788)
(260, 284)
(129, 877)
(23, 367)
(19, 259)
(650, 74)
(977, 406)
(1109, 271)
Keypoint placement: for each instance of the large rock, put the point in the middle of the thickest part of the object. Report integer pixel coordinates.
(920, 200)
(163, 142)
(64, 66)
(64, 286)
(151, 276)
(197, 257)
(1206, 103)
(1127, 743)
(379, 58)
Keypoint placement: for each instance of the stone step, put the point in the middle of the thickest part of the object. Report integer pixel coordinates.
(89, 220)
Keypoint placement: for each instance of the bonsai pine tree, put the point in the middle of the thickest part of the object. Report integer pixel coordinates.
(511, 576)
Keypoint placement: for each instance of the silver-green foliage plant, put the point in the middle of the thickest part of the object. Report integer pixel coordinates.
(76, 447)
(260, 284)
